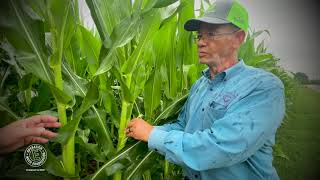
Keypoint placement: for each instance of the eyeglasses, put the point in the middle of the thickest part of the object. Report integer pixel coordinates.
(210, 35)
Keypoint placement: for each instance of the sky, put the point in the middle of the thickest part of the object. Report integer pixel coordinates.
(292, 25)
(294, 31)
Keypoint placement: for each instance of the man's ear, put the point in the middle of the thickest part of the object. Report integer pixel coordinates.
(239, 38)
(241, 35)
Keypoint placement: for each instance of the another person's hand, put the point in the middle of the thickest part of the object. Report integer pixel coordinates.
(27, 131)
(139, 129)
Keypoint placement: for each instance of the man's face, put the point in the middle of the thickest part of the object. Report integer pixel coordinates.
(213, 49)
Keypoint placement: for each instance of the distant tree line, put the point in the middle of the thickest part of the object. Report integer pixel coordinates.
(304, 79)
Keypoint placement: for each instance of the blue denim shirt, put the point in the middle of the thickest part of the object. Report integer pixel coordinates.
(226, 128)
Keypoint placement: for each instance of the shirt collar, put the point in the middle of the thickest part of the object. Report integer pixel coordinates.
(226, 74)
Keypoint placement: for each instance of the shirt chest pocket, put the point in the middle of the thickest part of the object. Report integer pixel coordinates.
(214, 111)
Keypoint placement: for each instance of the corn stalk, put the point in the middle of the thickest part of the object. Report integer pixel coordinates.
(61, 19)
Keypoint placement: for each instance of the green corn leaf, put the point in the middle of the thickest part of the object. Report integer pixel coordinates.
(92, 149)
(104, 17)
(166, 57)
(39, 8)
(279, 152)
(62, 23)
(158, 4)
(138, 80)
(193, 75)
(90, 99)
(124, 156)
(136, 169)
(261, 47)
(4, 76)
(173, 108)
(125, 31)
(152, 94)
(48, 112)
(261, 58)
(67, 131)
(90, 46)
(4, 107)
(164, 3)
(122, 33)
(74, 55)
(169, 32)
(54, 165)
(137, 5)
(72, 80)
(184, 43)
(139, 148)
(126, 93)
(107, 15)
(114, 168)
(95, 119)
(110, 103)
(254, 35)
(171, 12)
(25, 86)
(106, 63)
(150, 24)
(42, 101)
(26, 35)
(61, 96)
(186, 48)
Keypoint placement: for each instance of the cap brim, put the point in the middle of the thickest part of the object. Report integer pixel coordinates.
(194, 24)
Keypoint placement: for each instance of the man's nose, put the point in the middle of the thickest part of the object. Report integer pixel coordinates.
(201, 43)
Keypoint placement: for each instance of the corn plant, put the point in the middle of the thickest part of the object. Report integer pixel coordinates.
(140, 64)
(101, 79)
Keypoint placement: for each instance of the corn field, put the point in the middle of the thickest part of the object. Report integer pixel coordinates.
(140, 63)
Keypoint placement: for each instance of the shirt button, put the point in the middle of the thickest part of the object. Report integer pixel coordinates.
(202, 109)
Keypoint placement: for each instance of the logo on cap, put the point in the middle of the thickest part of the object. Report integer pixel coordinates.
(238, 19)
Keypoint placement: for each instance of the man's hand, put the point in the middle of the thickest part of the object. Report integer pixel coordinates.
(139, 129)
(27, 131)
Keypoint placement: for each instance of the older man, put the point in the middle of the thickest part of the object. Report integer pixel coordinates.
(227, 127)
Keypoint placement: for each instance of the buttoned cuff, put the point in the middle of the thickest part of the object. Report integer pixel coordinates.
(156, 140)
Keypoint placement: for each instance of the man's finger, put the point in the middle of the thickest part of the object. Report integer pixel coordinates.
(127, 130)
(38, 132)
(38, 140)
(35, 131)
(49, 134)
(51, 125)
(130, 134)
(42, 119)
(134, 120)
